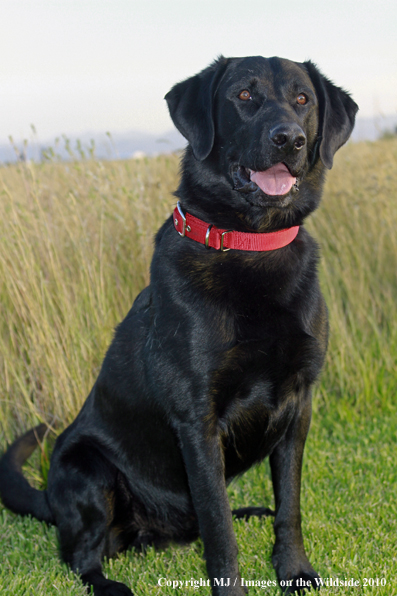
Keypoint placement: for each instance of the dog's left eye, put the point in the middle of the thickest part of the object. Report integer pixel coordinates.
(245, 95)
(301, 99)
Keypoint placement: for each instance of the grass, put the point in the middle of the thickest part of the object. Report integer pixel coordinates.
(75, 247)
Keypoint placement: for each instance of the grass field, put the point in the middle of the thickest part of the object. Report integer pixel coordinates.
(75, 247)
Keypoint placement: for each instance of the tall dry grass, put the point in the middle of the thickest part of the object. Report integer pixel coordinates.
(75, 248)
(356, 227)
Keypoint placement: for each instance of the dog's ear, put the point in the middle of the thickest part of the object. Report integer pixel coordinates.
(191, 107)
(337, 112)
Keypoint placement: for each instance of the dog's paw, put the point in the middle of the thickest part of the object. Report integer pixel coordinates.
(294, 572)
(112, 588)
(247, 512)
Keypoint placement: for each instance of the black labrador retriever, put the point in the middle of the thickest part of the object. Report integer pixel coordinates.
(211, 371)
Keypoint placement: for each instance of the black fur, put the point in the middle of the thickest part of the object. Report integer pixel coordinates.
(211, 370)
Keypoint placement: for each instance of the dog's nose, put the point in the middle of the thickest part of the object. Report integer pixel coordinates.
(288, 136)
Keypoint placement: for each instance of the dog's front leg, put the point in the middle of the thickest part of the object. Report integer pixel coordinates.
(202, 453)
(294, 571)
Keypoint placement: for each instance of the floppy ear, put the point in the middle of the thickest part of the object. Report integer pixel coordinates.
(191, 107)
(337, 112)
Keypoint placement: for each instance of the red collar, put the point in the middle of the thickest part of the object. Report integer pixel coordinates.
(213, 237)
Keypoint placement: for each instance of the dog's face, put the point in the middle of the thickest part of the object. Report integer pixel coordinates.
(266, 128)
(263, 130)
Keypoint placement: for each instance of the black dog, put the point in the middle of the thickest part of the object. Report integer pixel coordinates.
(212, 368)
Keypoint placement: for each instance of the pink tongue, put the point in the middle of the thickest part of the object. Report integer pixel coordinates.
(275, 181)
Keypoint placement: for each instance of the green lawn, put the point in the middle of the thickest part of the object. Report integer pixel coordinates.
(74, 250)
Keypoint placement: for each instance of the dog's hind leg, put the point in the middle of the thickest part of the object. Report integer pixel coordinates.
(247, 512)
(82, 502)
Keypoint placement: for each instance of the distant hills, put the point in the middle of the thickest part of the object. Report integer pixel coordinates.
(137, 143)
(371, 129)
(101, 145)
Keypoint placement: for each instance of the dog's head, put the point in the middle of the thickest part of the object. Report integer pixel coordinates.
(261, 131)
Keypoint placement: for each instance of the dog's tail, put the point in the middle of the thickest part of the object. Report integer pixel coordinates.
(15, 491)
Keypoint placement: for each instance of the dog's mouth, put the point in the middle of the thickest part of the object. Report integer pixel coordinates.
(276, 181)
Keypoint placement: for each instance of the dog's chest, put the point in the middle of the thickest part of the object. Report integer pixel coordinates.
(256, 390)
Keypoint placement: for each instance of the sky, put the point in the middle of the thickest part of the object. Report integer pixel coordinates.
(77, 66)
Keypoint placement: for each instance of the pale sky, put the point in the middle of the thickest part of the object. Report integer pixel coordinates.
(76, 66)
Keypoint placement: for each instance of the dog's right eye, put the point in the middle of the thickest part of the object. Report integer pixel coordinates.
(244, 95)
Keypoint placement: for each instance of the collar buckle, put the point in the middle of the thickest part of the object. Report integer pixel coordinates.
(183, 233)
(222, 248)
